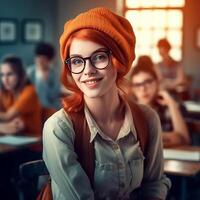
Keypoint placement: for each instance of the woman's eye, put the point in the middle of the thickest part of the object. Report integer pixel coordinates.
(99, 57)
(76, 61)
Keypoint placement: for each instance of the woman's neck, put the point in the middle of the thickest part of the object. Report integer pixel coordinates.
(104, 108)
(167, 59)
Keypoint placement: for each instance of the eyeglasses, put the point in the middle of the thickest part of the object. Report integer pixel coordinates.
(145, 83)
(9, 74)
(99, 60)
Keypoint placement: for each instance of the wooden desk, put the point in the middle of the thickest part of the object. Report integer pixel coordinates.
(183, 169)
(180, 167)
(193, 109)
(5, 148)
(9, 148)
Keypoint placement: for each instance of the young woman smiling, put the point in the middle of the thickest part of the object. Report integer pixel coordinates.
(97, 49)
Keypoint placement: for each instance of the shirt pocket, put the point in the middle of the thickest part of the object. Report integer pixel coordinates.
(106, 179)
(135, 172)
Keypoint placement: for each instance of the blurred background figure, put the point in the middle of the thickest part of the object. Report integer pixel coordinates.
(20, 110)
(169, 71)
(20, 114)
(44, 75)
(145, 87)
(145, 60)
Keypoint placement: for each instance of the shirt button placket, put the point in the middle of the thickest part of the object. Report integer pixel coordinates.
(121, 167)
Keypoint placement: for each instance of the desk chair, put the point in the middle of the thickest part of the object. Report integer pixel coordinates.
(29, 176)
(194, 128)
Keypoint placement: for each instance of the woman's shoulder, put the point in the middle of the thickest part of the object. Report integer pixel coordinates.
(29, 88)
(59, 124)
(59, 117)
(29, 94)
(150, 115)
(153, 123)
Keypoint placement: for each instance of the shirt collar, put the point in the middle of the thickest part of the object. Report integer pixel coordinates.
(127, 127)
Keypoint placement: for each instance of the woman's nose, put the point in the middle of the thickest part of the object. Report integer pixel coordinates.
(89, 68)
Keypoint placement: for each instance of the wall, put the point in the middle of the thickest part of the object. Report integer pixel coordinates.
(68, 9)
(190, 52)
(35, 9)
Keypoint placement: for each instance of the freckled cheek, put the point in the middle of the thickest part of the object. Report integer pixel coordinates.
(78, 81)
(76, 78)
(113, 71)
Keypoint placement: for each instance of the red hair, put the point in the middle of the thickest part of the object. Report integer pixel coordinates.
(74, 101)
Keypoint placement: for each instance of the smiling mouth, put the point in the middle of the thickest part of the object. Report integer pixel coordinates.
(92, 81)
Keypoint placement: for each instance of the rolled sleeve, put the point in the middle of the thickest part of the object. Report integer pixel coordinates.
(69, 181)
(155, 183)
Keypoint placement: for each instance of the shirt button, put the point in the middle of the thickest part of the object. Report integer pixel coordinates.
(115, 146)
(121, 166)
(121, 184)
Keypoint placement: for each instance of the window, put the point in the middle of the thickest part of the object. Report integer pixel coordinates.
(153, 20)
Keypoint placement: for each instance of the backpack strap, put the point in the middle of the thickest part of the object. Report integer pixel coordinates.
(83, 147)
(141, 125)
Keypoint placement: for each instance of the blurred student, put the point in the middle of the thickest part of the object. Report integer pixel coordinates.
(145, 87)
(20, 110)
(145, 60)
(169, 71)
(45, 77)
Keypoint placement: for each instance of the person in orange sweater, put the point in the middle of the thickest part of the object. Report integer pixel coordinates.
(20, 110)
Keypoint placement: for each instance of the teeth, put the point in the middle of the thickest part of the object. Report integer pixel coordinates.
(91, 82)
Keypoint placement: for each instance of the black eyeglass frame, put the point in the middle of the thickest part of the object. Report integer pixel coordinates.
(108, 52)
(144, 83)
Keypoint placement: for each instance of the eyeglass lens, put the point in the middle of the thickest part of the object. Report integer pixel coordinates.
(99, 60)
(143, 84)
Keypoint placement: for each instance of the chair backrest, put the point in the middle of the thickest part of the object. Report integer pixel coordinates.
(29, 176)
(194, 129)
(33, 169)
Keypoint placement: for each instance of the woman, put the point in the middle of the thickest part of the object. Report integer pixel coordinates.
(145, 87)
(97, 48)
(20, 111)
(169, 71)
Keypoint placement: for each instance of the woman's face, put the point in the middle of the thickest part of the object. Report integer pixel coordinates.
(9, 78)
(94, 83)
(144, 87)
(164, 52)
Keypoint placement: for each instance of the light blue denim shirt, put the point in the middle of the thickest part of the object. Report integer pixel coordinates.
(118, 164)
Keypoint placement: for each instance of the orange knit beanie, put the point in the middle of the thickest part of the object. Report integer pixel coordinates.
(116, 27)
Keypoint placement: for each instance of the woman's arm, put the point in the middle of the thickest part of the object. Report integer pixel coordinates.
(180, 79)
(12, 127)
(69, 181)
(22, 104)
(158, 72)
(8, 115)
(171, 139)
(180, 134)
(155, 184)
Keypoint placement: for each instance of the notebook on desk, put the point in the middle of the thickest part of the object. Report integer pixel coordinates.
(192, 106)
(177, 154)
(18, 140)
